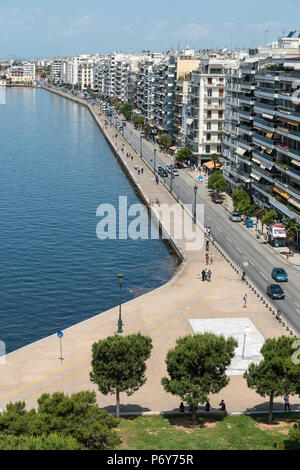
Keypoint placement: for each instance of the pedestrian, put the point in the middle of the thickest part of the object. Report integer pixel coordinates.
(131, 157)
(157, 201)
(205, 231)
(245, 300)
(181, 407)
(222, 405)
(203, 274)
(156, 179)
(142, 169)
(207, 245)
(206, 274)
(139, 171)
(286, 403)
(207, 406)
(207, 258)
(211, 258)
(209, 275)
(208, 231)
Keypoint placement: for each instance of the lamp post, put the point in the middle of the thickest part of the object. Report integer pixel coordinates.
(154, 161)
(120, 323)
(195, 203)
(141, 146)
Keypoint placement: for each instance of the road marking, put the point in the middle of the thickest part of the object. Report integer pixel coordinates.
(220, 230)
(263, 275)
(297, 310)
(238, 250)
(251, 262)
(229, 239)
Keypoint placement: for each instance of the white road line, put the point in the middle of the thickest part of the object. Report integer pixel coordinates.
(208, 218)
(229, 239)
(238, 250)
(297, 310)
(263, 275)
(251, 262)
(218, 228)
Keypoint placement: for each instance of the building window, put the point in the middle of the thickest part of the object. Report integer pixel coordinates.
(207, 149)
(220, 114)
(208, 136)
(209, 102)
(209, 81)
(220, 102)
(219, 149)
(219, 136)
(220, 126)
(208, 114)
(208, 126)
(209, 92)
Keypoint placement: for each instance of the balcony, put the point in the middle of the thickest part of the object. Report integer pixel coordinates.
(288, 113)
(246, 130)
(244, 86)
(245, 144)
(266, 162)
(264, 124)
(245, 115)
(265, 108)
(288, 188)
(237, 173)
(247, 100)
(266, 93)
(288, 151)
(288, 133)
(263, 141)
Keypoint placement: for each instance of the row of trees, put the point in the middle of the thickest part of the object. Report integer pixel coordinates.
(242, 202)
(196, 368)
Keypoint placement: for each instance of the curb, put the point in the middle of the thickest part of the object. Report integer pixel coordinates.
(199, 412)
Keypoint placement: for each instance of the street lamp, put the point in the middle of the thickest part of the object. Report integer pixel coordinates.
(195, 203)
(120, 323)
(154, 161)
(141, 142)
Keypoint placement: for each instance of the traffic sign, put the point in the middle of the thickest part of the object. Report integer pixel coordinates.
(200, 178)
(60, 334)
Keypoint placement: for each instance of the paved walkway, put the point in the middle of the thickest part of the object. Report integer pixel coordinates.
(164, 314)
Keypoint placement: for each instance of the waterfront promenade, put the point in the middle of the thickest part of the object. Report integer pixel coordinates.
(163, 313)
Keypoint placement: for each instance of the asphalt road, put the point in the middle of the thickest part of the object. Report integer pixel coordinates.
(232, 237)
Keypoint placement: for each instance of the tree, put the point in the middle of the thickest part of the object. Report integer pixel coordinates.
(276, 374)
(164, 141)
(138, 120)
(270, 217)
(261, 212)
(293, 440)
(291, 228)
(184, 154)
(215, 157)
(126, 110)
(196, 367)
(51, 442)
(240, 197)
(220, 185)
(78, 416)
(118, 364)
(216, 176)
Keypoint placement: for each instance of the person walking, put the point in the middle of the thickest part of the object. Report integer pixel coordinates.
(245, 301)
(211, 258)
(206, 274)
(203, 274)
(286, 403)
(205, 231)
(207, 258)
(209, 275)
(208, 231)
(142, 169)
(207, 245)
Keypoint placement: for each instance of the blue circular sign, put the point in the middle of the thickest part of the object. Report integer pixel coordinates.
(200, 178)
(60, 334)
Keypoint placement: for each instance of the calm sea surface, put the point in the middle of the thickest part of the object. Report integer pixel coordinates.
(56, 168)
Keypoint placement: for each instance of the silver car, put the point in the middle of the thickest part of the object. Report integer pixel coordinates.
(235, 216)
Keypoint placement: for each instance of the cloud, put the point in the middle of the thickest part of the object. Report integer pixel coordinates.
(77, 26)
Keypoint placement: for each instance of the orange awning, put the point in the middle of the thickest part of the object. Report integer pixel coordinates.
(281, 192)
(210, 165)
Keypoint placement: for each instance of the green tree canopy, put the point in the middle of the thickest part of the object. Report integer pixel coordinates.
(270, 217)
(240, 197)
(126, 110)
(215, 157)
(119, 364)
(138, 120)
(164, 141)
(196, 367)
(184, 154)
(216, 176)
(293, 439)
(52, 441)
(291, 228)
(78, 416)
(276, 374)
(220, 185)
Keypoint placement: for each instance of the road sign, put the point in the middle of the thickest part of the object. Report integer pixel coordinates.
(200, 178)
(60, 334)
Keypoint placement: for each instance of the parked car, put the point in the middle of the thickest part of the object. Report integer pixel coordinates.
(275, 291)
(175, 172)
(178, 165)
(279, 275)
(169, 168)
(217, 198)
(235, 216)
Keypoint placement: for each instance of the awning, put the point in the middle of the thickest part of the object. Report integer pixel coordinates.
(263, 166)
(295, 162)
(189, 121)
(240, 151)
(269, 151)
(281, 192)
(295, 202)
(263, 147)
(210, 165)
(256, 160)
(287, 120)
(256, 177)
(173, 148)
(269, 135)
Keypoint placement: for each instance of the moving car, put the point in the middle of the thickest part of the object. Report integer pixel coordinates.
(169, 168)
(275, 291)
(217, 198)
(175, 172)
(235, 216)
(279, 275)
(162, 172)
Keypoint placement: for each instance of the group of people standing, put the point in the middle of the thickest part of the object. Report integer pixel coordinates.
(207, 407)
(206, 275)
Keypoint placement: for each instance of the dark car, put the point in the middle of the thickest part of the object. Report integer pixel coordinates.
(279, 275)
(275, 291)
(162, 172)
(217, 198)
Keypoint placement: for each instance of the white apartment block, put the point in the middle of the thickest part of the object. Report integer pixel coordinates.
(29, 69)
(56, 69)
(86, 75)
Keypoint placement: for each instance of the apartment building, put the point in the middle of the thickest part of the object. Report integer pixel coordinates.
(29, 69)
(55, 69)
(206, 104)
(86, 75)
(262, 133)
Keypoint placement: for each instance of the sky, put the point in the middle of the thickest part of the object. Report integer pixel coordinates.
(35, 29)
